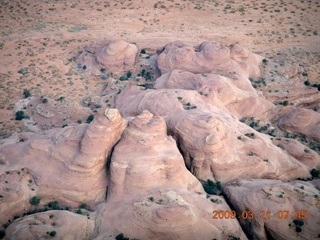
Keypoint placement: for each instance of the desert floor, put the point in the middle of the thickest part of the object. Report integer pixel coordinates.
(39, 40)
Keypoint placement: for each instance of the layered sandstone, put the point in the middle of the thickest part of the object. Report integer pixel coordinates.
(114, 56)
(65, 164)
(293, 208)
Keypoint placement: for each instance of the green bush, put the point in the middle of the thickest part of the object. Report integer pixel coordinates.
(26, 93)
(315, 173)
(143, 51)
(53, 205)
(35, 201)
(53, 233)
(298, 222)
(121, 237)
(123, 78)
(79, 211)
(148, 76)
(90, 119)
(212, 188)
(20, 115)
(129, 74)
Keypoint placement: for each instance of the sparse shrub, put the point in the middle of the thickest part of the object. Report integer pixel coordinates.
(212, 188)
(34, 200)
(53, 205)
(123, 78)
(26, 93)
(143, 51)
(20, 115)
(265, 61)
(45, 100)
(143, 72)
(90, 119)
(52, 234)
(79, 211)
(151, 199)
(307, 83)
(83, 205)
(148, 76)
(129, 74)
(121, 237)
(298, 222)
(315, 173)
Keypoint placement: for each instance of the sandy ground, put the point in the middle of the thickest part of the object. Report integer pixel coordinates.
(39, 39)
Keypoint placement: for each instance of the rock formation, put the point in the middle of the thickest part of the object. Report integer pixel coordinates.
(236, 96)
(142, 168)
(151, 193)
(65, 164)
(215, 145)
(115, 56)
(59, 224)
(293, 208)
(208, 57)
(303, 121)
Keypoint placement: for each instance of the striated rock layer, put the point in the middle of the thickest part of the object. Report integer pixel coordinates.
(115, 56)
(209, 57)
(59, 224)
(65, 164)
(303, 121)
(144, 180)
(294, 208)
(233, 95)
(151, 193)
(214, 143)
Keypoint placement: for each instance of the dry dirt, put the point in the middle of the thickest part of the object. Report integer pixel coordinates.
(39, 39)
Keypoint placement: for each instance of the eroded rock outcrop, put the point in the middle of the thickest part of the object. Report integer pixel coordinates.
(115, 56)
(65, 164)
(234, 95)
(303, 121)
(151, 193)
(208, 57)
(215, 144)
(58, 224)
(284, 201)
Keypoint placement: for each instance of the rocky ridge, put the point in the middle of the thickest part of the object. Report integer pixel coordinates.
(137, 169)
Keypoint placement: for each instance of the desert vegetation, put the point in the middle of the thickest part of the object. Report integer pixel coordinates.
(220, 99)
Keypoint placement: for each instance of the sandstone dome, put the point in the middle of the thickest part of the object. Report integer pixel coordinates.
(115, 56)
